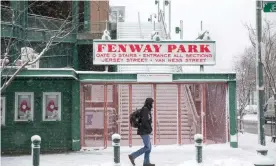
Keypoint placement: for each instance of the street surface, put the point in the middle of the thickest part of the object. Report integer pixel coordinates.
(252, 127)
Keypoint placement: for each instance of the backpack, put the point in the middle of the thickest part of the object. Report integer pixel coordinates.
(135, 118)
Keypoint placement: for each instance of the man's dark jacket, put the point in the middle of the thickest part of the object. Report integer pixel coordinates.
(146, 118)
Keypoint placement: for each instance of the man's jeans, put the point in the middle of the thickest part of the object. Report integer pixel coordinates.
(146, 149)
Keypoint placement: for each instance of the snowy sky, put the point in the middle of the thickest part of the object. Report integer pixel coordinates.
(224, 19)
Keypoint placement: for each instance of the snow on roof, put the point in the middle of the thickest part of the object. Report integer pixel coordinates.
(156, 72)
(66, 69)
(162, 40)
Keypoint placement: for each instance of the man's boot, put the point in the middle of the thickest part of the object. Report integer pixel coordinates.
(131, 160)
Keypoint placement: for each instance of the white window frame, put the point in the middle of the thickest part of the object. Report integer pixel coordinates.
(17, 94)
(44, 106)
(3, 117)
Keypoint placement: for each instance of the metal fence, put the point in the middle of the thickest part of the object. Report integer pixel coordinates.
(39, 22)
(179, 112)
(6, 14)
(47, 23)
(35, 21)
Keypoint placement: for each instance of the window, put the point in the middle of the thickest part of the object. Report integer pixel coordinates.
(24, 106)
(51, 106)
(95, 93)
(3, 111)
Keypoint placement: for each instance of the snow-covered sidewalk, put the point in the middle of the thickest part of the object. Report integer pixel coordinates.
(250, 117)
(173, 155)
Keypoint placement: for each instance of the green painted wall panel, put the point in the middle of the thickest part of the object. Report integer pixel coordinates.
(107, 76)
(180, 76)
(232, 114)
(87, 16)
(15, 136)
(205, 76)
(6, 31)
(76, 115)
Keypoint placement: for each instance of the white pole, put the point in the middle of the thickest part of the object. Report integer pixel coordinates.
(201, 66)
(164, 10)
(181, 29)
(158, 9)
(170, 17)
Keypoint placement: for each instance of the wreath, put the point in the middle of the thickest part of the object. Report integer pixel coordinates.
(51, 106)
(24, 106)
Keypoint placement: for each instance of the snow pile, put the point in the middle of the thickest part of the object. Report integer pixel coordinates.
(249, 142)
(263, 161)
(261, 148)
(221, 162)
(108, 164)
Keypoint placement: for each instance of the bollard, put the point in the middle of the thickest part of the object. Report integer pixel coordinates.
(273, 139)
(198, 143)
(116, 138)
(36, 140)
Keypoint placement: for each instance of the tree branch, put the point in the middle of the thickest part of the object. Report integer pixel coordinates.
(60, 34)
(6, 84)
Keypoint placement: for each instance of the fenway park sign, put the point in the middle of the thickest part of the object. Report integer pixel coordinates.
(153, 53)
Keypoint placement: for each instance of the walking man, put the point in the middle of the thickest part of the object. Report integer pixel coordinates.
(144, 130)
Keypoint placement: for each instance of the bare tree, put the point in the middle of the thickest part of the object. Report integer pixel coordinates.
(245, 69)
(268, 56)
(268, 53)
(65, 28)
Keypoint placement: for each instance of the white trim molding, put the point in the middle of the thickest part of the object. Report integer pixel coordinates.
(3, 111)
(51, 109)
(26, 107)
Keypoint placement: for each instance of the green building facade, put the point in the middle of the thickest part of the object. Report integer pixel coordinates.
(21, 28)
(58, 76)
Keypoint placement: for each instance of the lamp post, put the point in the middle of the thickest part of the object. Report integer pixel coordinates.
(180, 29)
(169, 3)
(158, 8)
(259, 73)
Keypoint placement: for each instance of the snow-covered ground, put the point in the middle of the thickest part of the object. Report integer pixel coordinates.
(250, 117)
(173, 155)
